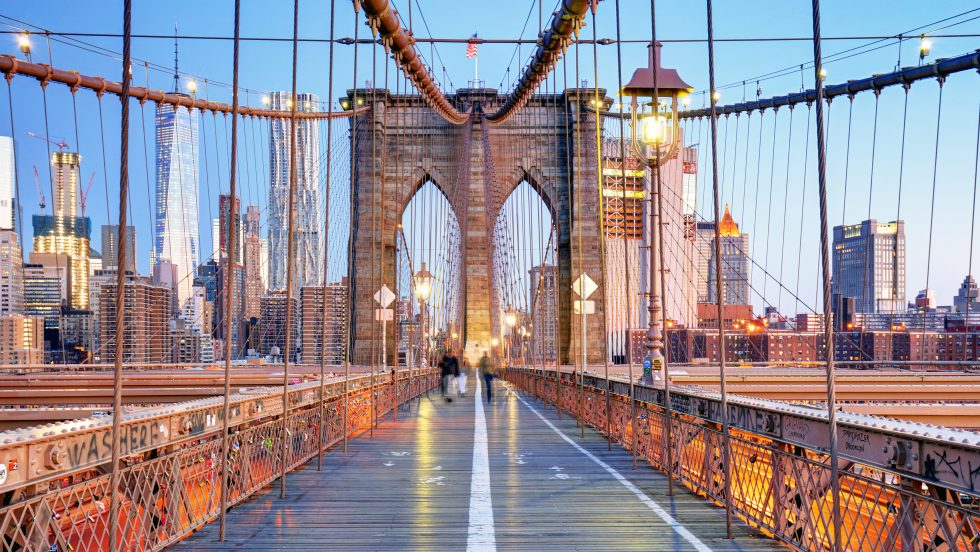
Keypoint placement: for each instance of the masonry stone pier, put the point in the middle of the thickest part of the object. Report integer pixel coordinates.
(401, 144)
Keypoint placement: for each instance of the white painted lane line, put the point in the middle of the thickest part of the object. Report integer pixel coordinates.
(650, 503)
(481, 537)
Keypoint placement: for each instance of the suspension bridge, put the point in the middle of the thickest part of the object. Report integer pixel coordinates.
(685, 350)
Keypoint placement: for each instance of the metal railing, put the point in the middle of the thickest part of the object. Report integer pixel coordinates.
(903, 486)
(171, 479)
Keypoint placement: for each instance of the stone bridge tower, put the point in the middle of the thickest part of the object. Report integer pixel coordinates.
(402, 144)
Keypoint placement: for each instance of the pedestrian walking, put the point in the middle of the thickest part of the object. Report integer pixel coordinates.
(446, 372)
(461, 378)
(454, 363)
(486, 368)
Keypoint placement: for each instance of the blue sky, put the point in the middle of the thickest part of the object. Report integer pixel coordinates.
(265, 66)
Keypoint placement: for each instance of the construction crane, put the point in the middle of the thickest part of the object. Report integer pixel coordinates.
(62, 145)
(40, 193)
(83, 194)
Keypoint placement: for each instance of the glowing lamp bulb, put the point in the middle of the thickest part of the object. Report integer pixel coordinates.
(423, 284)
(494, 341)
(925, 46)
(716, 95)
(823, 73)
(192, 86)
(24, 42)
(653, 129)
(686, 101)
(266, 100)
(510, 319)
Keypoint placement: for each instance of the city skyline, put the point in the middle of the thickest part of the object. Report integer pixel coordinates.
(261, 73)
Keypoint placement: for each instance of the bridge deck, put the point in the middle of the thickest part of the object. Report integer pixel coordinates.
(420, 483)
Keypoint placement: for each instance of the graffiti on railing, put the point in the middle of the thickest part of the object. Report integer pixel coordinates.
(169, 491)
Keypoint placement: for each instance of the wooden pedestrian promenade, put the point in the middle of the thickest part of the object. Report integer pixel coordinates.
(461, 476)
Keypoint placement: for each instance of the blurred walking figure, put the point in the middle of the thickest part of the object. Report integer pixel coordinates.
(446, 371)
(461, 377)
(454, 370)
(487, 369)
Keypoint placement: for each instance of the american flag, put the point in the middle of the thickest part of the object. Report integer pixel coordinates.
(471, 47)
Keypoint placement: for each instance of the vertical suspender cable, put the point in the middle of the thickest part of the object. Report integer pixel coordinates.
(932, 207)
(394, 247)
(726, 475)
(290, 273)
(230, 282)
(114, 476)
(828, 330)
(973, 224)
(601, 221)
(626, 258)
(326, 245)
(375, 249)
(349, 307)
(580, 225)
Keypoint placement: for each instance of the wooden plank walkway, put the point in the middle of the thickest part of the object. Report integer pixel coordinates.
(409, 488)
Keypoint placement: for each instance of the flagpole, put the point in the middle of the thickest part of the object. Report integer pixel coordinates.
(476, 70)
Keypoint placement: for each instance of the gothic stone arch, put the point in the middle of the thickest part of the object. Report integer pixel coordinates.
(401, 143)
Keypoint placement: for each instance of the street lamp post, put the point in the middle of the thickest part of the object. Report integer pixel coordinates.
(423, 289)
(655, 142)
(657, 132)
(510, 319)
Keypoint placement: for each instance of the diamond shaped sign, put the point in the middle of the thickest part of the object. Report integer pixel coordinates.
(384, 296)
(584, 286)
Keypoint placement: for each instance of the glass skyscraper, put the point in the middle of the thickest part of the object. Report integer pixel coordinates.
(65, 232)
(176, 239)
(869, 265)
(308, 222)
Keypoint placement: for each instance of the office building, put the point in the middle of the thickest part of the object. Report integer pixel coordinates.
(254, 286)
(110, 247)
(21, 339)
(45, 285)
(965, 300)
(544, 314)
(146, 331)
(869, 265)
(98, 279)
(237, 299)
(254, 263)
(308, 220)
(623, 197)
(734, 262)
(227, 209)
(11, 274)
(176, 216)
(65, 232)
(8, 185)
(273, 325)
(330, 339)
